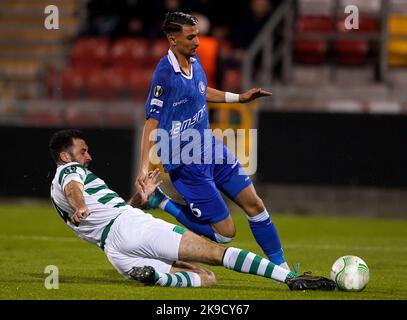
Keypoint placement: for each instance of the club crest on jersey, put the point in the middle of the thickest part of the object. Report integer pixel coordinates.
(201, 87)
(70, 169)
(158, 91)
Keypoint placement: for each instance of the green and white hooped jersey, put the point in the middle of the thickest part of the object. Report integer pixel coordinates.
(103, 203)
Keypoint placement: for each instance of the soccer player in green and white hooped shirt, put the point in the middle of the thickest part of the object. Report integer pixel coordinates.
(138, 245)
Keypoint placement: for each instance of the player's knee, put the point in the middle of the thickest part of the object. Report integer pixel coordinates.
(224, 230)
(220, 238)
(255, 206)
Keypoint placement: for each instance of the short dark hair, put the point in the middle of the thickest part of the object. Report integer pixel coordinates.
(63, 140)
(174, 21)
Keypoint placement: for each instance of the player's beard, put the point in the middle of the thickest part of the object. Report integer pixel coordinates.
(74, 159)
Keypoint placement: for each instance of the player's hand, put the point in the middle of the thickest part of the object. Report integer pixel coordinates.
(152, 181)
(80, 214)
(253, 94)
(147, 185)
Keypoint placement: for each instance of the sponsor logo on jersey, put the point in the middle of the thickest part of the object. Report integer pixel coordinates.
(178, 126)
(158, 91)
(175, 104)
(201, 87)
(70, 169)
(157, 102)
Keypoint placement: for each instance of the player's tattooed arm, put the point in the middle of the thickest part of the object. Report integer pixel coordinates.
(74, 193)
(144, 188)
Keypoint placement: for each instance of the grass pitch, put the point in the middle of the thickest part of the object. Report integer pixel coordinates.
(33, 237)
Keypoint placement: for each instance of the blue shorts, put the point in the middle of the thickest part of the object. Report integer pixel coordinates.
(200, 186)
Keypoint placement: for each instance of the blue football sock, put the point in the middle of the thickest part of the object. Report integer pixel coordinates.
(267, 237)
(182, 214)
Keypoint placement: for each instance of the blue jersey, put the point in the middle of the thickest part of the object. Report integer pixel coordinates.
(178, 102)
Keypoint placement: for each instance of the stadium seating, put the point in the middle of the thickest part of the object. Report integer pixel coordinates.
(316, 51)
(90, 52)
(351, 52)
(355, 52)
(27, 49)
(139, 82)
(100, 69)
(159, 48)
(130, 52)
(312, 51)
(73, 82)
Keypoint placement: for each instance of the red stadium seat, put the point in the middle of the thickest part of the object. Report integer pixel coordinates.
(97, 85)
(315, 24)
(357, 47)
(159, 48)
(73, 82)
(355, 52)
(109, 83)
(139, 82)
(90, 52)
(312, 51)
(130, 52)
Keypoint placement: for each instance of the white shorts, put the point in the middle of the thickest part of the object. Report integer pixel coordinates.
(137, 239)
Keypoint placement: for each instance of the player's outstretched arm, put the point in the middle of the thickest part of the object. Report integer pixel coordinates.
(214, 95)
(74, 194)
(150, 125)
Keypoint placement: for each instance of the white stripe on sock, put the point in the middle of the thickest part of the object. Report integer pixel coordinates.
(231, 254)
(164, 203)
(248, 262)
(260, 217)
(174, 280)
(162, 280)
(279, 274)
(222, 239)
(262, 267)
(195, 279)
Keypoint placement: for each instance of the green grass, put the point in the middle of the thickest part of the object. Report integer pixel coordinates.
(32, 237)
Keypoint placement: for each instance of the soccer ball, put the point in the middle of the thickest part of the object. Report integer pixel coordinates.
(350, 273)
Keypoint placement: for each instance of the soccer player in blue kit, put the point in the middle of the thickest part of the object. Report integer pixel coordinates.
(177, 103)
